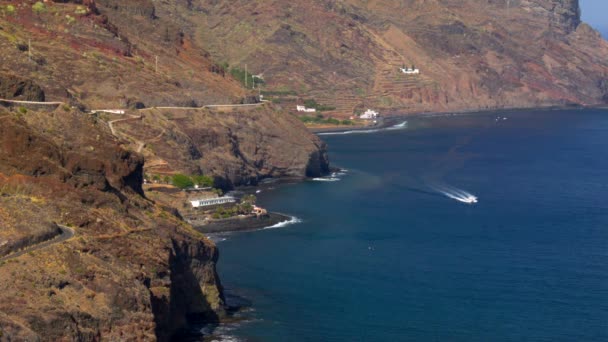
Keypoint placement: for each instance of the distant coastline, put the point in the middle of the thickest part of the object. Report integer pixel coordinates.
(395, 117)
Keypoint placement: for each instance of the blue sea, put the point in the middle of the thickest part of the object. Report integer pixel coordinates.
(397, 249)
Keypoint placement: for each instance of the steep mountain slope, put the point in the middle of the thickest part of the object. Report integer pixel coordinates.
(80, 54)
(473, 54)
(116, 54)
(133, 270)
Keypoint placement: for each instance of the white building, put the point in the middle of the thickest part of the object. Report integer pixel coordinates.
(410, 71)
(369, 114)
(305, 110)
(212, 201)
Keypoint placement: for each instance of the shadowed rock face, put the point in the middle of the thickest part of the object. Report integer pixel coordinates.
(16, 88)
(563, 13)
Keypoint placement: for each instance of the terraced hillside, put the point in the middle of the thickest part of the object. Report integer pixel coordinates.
(473, 54)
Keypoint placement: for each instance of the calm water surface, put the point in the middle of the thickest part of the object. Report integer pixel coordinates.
(389, 253)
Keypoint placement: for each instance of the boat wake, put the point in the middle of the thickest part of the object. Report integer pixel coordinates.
(367, 131)
(292, 220)
(455, 193)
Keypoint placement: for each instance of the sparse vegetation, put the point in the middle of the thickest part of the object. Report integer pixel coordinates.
(243, 208)
(247, 79)
(184, 181)
(80, 10)
(279, 93)
(319, 119)
(311, 103)
(71, 20)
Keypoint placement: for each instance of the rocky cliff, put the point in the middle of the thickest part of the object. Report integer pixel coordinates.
(133, 271)
(239, 146)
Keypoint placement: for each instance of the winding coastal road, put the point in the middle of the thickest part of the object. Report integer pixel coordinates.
(66, 234)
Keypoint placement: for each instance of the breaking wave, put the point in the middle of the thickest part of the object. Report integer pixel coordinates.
(397, 126)
(367, 131)
(292, 220)
(455, 193)
(333, 177)
(326, 179)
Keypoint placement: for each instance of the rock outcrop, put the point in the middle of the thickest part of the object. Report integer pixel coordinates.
(17, 88)
(237, 147)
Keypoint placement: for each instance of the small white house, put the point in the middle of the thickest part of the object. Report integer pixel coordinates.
(212, 201)
(305, 110)
(410, 71)
(369, 114)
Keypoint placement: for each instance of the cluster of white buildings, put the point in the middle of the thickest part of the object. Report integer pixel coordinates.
(410, 71)
(305, 110)
(369, 115)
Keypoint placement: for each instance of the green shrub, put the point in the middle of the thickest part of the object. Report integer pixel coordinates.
(319, 119)
(39, 8)
(81, 10)
(311, 103)
(22, 110)
(242, 76)
(71, 20)
(182, 181)
(204, 181)
(10, 9)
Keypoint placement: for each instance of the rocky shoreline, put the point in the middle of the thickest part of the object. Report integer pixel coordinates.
(239, 223)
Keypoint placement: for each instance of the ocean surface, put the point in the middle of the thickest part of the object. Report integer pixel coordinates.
(397, 249)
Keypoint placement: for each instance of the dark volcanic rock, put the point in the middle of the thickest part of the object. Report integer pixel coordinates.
(16, 88)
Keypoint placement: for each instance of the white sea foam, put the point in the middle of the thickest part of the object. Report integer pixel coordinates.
(326, 179)
(221, 333)
(362, 131)
(455, 193)
(292, 220)
(398, 126)
(216, 238)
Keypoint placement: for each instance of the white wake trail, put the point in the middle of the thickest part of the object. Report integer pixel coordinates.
(455, 193)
